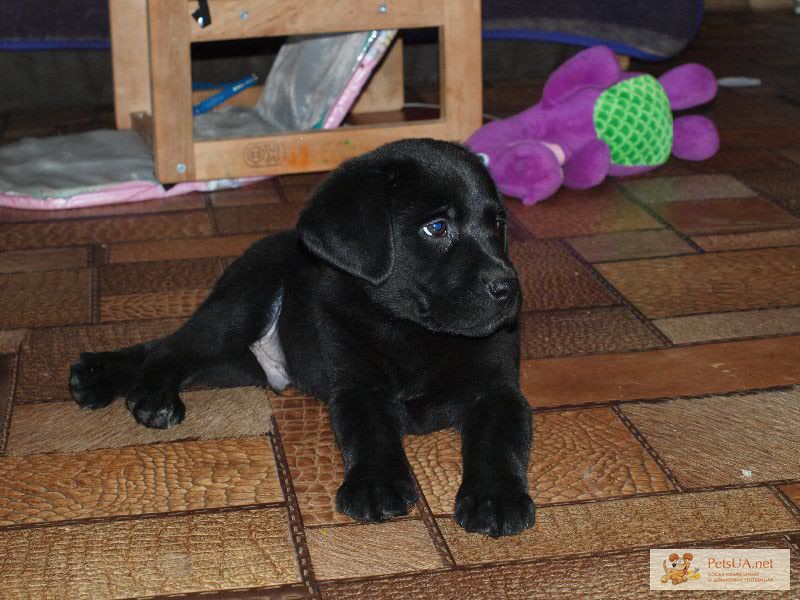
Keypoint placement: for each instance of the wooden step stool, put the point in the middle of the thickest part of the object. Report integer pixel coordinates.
(150, 44)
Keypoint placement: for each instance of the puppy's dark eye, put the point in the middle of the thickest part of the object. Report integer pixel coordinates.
(435, 229)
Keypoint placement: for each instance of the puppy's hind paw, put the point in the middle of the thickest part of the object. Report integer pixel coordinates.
(158, 409)
(93, 381)
(369, 499)
(494, 512)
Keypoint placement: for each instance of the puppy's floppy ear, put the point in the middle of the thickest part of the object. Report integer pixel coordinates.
(348, 220)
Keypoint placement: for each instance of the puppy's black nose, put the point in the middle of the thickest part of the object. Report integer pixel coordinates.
(502, 288)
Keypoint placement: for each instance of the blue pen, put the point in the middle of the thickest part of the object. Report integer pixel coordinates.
(226, 92)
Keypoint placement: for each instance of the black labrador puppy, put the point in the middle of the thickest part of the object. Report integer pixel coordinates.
(394, 302)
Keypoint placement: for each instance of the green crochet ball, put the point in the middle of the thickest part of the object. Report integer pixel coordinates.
(634, 118)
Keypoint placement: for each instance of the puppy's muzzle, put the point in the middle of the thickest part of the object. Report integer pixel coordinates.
(502, 288)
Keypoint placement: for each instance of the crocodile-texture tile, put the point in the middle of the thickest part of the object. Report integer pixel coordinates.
(781, 186)
(730, 325)
(743, 241)
(584, 331)
(45, 259)
(667, 287)
(724, 440)
(314, 460)
(264, 192)
(265, 217)
(64, 427)
(685, 371)
(654, 521)
(104, 231)
(45, 298)
(151, 305)
(625, 245)
(6, 389)
(737, 161)
(619, 576)
(724, 215)
(576, 455)
(551, 278)
(161, 276)
(690, 187)
(149, 557)
(46, 354)
(349, 551)
(573, 212)
(137, 480)
(228, 245)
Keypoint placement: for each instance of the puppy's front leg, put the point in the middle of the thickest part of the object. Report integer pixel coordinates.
(495, 444)
(378, 484)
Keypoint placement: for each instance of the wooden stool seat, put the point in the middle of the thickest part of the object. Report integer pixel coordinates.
(151, 54)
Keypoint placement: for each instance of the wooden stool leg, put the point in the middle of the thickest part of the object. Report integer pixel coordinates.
(171, 75)
(460, 72)
(384, 91)
(130, 60)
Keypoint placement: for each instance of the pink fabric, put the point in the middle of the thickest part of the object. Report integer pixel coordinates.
(129, 191)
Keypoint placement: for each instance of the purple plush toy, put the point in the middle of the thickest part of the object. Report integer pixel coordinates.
(596, 120)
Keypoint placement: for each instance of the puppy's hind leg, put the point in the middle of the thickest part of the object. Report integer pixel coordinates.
(97, 378)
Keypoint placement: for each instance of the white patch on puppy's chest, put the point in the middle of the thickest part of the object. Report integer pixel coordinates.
(267, 349)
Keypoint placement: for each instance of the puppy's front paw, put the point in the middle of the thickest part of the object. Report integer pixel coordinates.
(375, 496)
(159, 409)
(494, 510)
(93, 380)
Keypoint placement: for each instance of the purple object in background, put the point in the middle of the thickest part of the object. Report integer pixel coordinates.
(555, 142)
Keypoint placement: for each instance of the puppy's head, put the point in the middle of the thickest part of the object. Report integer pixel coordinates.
(421, 225)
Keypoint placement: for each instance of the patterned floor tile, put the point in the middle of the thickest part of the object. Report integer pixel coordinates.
(47, 353)
(64, 427)
(366, 550)
(743, 241)
(161, 276)
(299, 193)
(137, 480)
(619, 576)
(267, 217)
(7, 365)
(724, 440)
(792, 491)
(584, 331)
(781, 186)
(104, 231)
(731, 325)
(760, 137)
(738, 161)
(629, 523)
(229, 245)
(264, 192)
(724, 215)
(688, 371)
(573, 212)
(153, 305)
(551, 278)
(577, 455)
(300, 179)
(10, 340)
(314, 461)
(691, 187)
(625, 245)
(792, 154)
(149, 557)
(45, 298)
(46, 259)
(666, 287)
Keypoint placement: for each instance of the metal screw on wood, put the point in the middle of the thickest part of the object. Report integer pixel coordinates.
(244, 15)
(180, 168)
(383, 9)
